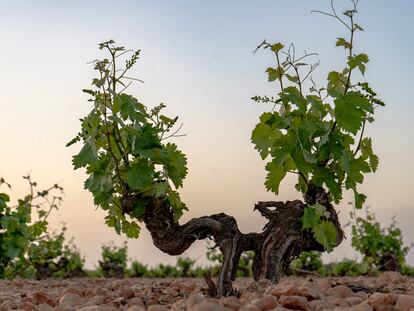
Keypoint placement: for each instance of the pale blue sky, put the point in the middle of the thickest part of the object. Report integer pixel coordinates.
(197, 58)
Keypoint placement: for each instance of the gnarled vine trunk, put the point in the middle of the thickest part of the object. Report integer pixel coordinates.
(281, 240)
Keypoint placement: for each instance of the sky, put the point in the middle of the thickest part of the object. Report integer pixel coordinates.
(196, 58)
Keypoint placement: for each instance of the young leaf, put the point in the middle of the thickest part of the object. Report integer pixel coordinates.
(367, 153)
(359, 61)
(350, 111)
(146, 139)
(129, 108)
(336, 83)
(359, 199)
(309, 218)
(274, 177)
(87, 154)
(140, 175)
(274, 73)
(176, 204)
(325, 234)
(344, 43)
(99, 182)
(276, 47)
(263, 137)
(176, 164)
(160, 189)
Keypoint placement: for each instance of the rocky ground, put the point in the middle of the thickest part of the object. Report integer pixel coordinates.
(390, 291)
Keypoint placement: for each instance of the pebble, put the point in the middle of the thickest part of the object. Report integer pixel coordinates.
(340, 291)
(139, 294)
(232, 303)
(208, 306)
(391, 277)
(135, 308)
(41, 297)
(157, 308)
(266, 303)
(294, 302)
(377, 300)
(352, 301)
(71, 300)
(88, 308)
(285, 290)
(250, 307)
(44, 307)
(404, 302)
(127, 293)
(310, 291)
(363, 306)
(319, 305)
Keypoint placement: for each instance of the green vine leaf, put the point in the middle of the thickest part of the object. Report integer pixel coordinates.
(325, 234)
(140, 175)
(274, 176)
(176, 164)
(129, 108)
(87, 154)
(367, 153)
(343, 42)
(359, 61)
(351, 110)
(264, 136)
(274, 73)
(309, 219)
(359, 198)
(161, 188)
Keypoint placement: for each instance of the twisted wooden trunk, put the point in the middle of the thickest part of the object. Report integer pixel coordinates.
(281, 240)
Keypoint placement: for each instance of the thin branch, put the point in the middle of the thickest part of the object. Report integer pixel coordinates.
(107, 134)
(306, 55)
(334, 15)
(280, 73)
(360, 137)
(135, 79)
(174, 134)
(348, 81)
(124, 52)
(299, 82)
(312, 69)
(125, 87)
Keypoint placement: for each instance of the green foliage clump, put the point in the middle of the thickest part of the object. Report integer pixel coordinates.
(52, 257)
(138, 269)
(23, 224)
(382, 248)
(407, 270)
(124, 149)
(185, 266)
(114, 260)
(309, 261)
(318, 135)
(346, 267)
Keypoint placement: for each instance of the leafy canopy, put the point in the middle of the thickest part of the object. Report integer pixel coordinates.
(318, 135)
(124, 149)
(377, 243)
(24, 224)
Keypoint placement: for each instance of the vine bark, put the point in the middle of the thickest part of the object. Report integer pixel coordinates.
(281, 240)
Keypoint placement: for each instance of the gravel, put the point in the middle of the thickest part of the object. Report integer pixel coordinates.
(389, 291)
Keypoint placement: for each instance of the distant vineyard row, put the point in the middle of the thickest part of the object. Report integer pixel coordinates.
(31, 250)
